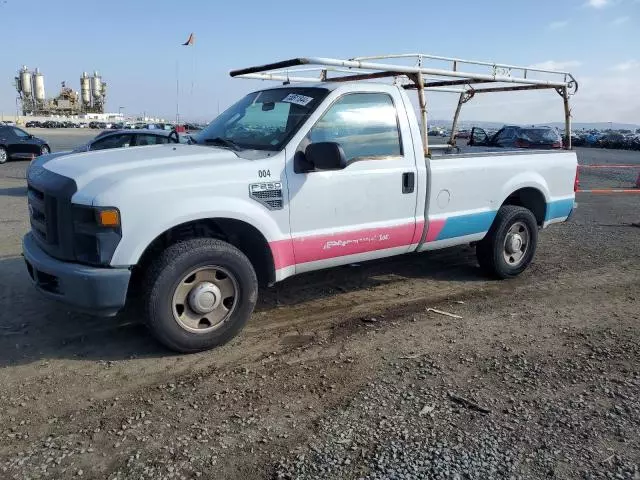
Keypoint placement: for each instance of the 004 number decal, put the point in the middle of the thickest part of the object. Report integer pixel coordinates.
(264, 173)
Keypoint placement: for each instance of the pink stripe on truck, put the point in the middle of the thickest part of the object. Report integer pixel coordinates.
(322, 247)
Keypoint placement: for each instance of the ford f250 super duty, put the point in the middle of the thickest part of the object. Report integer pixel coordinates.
(309, 174)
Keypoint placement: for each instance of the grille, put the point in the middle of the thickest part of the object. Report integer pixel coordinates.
(40, 209)
(50, 211)
(268, 194)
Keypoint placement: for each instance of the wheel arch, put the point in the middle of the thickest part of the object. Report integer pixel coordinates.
(529, 190)
(530, 198)
(241, 234)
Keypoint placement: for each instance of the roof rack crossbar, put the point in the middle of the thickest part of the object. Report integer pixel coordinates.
(357, 66)
(461, 61)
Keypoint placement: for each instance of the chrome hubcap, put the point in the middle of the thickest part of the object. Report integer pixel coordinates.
(204, 299)
(516, 243)
(3, 154)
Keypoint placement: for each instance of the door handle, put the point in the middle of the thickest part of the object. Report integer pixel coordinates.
(408, 182)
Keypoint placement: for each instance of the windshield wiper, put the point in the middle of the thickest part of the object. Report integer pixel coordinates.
(223, 142)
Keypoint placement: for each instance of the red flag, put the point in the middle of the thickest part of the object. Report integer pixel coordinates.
(190, 40)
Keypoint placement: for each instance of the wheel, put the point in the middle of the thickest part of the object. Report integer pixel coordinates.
(4, 156)
(199, 294)
(510, 244)
(44, 150)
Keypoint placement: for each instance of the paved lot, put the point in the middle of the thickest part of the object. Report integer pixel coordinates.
(344, 373)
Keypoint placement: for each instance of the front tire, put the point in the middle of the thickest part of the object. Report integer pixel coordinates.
(199, 294)
(45, 150)
(510, 244)
(4, 155)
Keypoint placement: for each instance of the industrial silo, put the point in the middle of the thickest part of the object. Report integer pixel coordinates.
(25, 86)
(96, 86)
(85, 89)
(38, 86)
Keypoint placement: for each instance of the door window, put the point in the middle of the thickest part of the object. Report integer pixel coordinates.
(146, 139)
(505, 135)
(112, 141)
(20, 133)
(364, 124)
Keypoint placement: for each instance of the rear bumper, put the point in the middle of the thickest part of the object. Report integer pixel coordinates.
(99, 291)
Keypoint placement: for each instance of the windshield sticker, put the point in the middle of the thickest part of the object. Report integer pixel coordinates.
(297, 99)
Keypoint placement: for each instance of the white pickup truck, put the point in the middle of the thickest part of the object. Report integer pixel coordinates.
(290, 179)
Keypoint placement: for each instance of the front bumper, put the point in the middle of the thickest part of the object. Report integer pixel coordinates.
(99, 291)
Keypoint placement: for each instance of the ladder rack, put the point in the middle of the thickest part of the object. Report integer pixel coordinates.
(425, 73)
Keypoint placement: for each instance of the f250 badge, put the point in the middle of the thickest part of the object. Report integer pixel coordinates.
(265, 187)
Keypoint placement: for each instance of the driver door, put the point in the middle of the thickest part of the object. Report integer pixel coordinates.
(22, 146)
(366, 210)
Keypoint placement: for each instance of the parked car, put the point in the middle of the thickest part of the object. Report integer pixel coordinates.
(464, 134)
(9, 123)
(513, 136)
(33, 124)
(16, 144)
(52, 124)
(128, 138)
(273, 188)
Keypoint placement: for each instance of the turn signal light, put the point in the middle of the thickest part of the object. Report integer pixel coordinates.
(109, 218)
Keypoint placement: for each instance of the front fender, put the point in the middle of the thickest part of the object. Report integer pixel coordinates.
(142, 224)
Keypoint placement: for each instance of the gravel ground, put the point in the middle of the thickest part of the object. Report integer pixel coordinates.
(345, 374)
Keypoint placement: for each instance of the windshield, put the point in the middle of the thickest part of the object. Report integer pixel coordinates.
(263, 120)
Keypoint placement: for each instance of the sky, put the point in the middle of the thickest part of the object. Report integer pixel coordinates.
(135, 45)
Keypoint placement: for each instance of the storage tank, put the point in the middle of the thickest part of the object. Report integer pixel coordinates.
(96, 85)
(38, 85)
(85, 88)
(25, 82)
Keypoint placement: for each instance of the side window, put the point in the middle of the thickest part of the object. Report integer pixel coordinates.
(112, 141)
(146, 139)
(20, 133)
(506, 135)
(364, 124)
(160, 140)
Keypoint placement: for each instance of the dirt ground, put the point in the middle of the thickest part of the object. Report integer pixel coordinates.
(345, 373)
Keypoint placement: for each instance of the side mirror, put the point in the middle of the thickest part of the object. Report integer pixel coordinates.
(326, 156)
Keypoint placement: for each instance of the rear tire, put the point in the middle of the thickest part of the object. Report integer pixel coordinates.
(4, 155)
(510, 244)
(45, 149)
(199, 294)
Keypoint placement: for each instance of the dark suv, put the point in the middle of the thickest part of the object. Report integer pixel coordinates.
(512, 136)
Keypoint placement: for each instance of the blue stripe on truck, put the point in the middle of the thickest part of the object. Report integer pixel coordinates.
(461, 225)
(559, 209)
(466, 225)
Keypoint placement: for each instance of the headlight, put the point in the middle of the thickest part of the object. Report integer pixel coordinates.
(97, 232)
